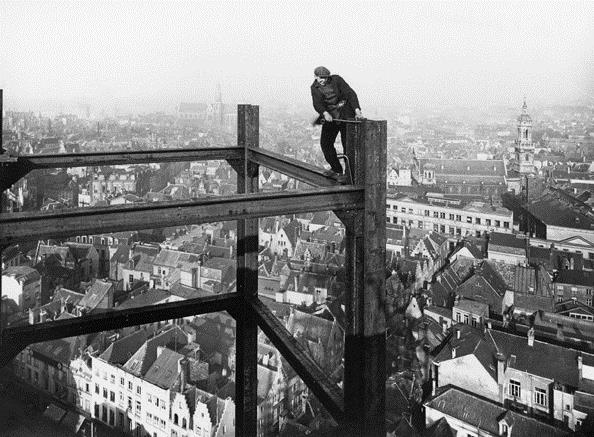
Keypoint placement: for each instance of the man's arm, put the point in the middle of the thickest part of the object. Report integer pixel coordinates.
(318, 101)
(349, 94)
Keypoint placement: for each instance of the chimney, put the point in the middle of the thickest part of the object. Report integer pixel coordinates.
(458, 333)
(159, 350)
(500, 373)
(531, 337)
(42, 316)
(454, 351)
(580, 366)
(182, 368)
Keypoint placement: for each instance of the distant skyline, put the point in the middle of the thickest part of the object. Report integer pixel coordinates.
(127, 54)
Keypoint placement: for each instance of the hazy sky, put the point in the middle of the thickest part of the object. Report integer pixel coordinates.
(392, 53)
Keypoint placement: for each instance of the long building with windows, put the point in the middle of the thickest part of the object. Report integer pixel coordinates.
(447, 215)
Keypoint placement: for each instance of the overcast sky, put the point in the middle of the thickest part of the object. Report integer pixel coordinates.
(392, 53)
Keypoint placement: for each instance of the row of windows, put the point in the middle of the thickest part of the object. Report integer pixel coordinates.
(453, 217)
(540, 394)
(109, 241)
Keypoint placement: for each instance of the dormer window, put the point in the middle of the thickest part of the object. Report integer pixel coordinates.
(503, 429)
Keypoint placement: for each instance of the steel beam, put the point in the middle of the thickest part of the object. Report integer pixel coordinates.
(302, 171)
(365, 337)
(37, 226)
(109, 320)
(129, 157)
(316, 379)
(246, 381)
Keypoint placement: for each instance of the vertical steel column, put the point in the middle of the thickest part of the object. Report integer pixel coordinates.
(365, 340)
(246, 382)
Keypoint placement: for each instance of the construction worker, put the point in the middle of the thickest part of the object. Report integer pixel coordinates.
(333, 99)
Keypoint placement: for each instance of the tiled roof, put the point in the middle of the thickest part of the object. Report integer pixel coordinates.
(175, 259)
(146, 355)
(24, 274)
(484, 414)
(152, 296)
(552, 211)
(292, 230)
(464, 167)
(575, 277)
(121, 255)
(62, 350)
(501, 239)
(95, 294)
(472, 306)
(164, 371)
(121, 350)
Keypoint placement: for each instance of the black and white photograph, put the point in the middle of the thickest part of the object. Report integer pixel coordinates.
(264, 218)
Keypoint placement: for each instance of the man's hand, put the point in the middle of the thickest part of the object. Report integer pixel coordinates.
(327, 117)
(358, 114)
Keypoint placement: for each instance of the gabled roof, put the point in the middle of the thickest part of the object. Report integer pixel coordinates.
(481, 413)
(165, 370)
(121, 255)
(95, 294)
(24, 274)
(146, 355)
(292, 230)
(121, 350)
(79, 250)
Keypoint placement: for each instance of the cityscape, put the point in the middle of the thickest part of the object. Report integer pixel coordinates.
(489, 267)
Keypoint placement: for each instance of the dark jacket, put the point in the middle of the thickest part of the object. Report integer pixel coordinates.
(343, 91)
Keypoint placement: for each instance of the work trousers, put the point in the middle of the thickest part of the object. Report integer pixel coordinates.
(327, 138)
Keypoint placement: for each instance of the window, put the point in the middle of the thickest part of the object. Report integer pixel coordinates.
(477, 221)
(435, 214)
(97, 388)
(138, 407)
(458, 218)
(514, 388)
(458, 317)
(138, 389)
(426, 213)
(149, 398)
(105, 393)
(420, 224)
(458, 231)
(436, 227)
(403, 209)
(468, 219)
(442, 215)
(497, 223)
(560, 298)
(122, 382)
(540, 396)
(410, 211)
(175, 419)
(588, 292)
(488, 222)
(442, 229)
(394, 219)
(129, 385)
(506, 225)
(451, 216)
(112, 379)
(112, 396)
(466, 319)
(504, 430)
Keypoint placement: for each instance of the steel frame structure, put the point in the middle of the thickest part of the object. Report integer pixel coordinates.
(359, 409)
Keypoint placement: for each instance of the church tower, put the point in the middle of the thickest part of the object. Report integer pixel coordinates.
(524, 149)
